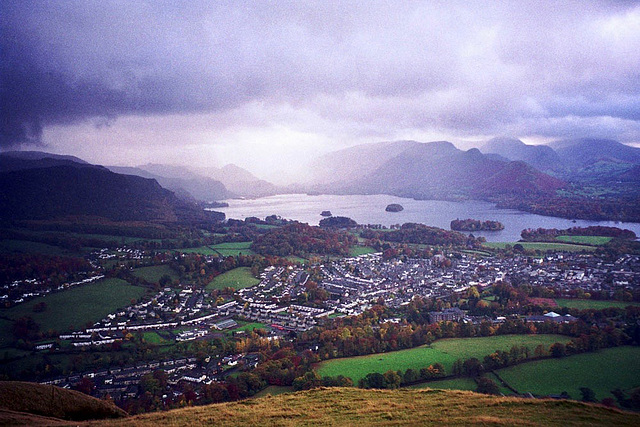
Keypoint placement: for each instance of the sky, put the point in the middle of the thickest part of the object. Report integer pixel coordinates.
(269, 85)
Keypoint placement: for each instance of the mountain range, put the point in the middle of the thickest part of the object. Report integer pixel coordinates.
(571, 159)
(203, 184)
(426, 170)
(598, 178)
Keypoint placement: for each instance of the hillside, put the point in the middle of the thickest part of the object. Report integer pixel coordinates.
(27, 403)
(582, 152)
(343, 166)
(438, 170)
(57, 191)
(352, 406)
(240, 181)
(181, 180)
(541, 157)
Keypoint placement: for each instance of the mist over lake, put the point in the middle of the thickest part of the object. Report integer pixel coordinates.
(370, 209)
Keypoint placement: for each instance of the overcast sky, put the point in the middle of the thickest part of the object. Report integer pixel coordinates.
(268, 85)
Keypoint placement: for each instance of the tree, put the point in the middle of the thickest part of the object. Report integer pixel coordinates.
(472, 367)
(372, 380)
(410, 376)
(588, 395)
(150, 384)
(85, 385)
(308, 381)
(392, 379)
(487, 386)
(558, 350)
(25, 328)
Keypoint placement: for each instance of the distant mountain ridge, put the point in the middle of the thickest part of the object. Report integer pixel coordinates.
(354, 162)
(184, 183)
(582, 152)
(20, 160)
(602, 163)
(541, 157)
(239, 181)
(430, 170)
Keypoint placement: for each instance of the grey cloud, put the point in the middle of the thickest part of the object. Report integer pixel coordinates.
(461, 67)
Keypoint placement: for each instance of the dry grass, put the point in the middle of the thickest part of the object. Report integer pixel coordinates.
(350, 406)
(49, 401)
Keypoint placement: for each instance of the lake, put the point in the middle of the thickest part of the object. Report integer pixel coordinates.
(370, 209)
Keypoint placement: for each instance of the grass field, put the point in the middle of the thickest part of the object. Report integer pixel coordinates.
(601, 371)
(585, 240)
(361, 250)
(154, 273)
(238, 278)
(234, 248)
(26, 246)
(77, 306)
(296, 259)
(202, 250)
(445, 351)
(541, 246)
(356, 407)
(583, 304)
(222, 249)
(154, 338)
(6, 335)
(248, 326)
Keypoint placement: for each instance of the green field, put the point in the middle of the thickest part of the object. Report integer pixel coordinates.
(585, 240)
(222, 249)
(154, 338)
(76, 307)
(234, 248)
(238, 278)
(601, 371)
(541, 246)
(361, 250)
(202, 250)
(583, 304)
(445, 351)
(6, 337)
(154, 273)
(26, 246)
(296, 259)
(248, 326)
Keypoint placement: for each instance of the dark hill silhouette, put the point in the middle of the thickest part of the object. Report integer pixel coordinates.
(57, 191)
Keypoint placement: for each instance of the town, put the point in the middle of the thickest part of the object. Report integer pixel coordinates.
(350, 286)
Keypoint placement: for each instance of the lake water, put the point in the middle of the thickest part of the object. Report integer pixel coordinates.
(370, 209)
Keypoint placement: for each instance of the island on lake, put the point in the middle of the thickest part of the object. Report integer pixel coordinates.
(476, 225)
(325, 213)
(394, 207)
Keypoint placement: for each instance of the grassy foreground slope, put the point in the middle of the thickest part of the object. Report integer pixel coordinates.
(351, 406)
(47, 401)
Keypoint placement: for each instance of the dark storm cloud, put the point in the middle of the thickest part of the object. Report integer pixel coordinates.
(456, 67)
